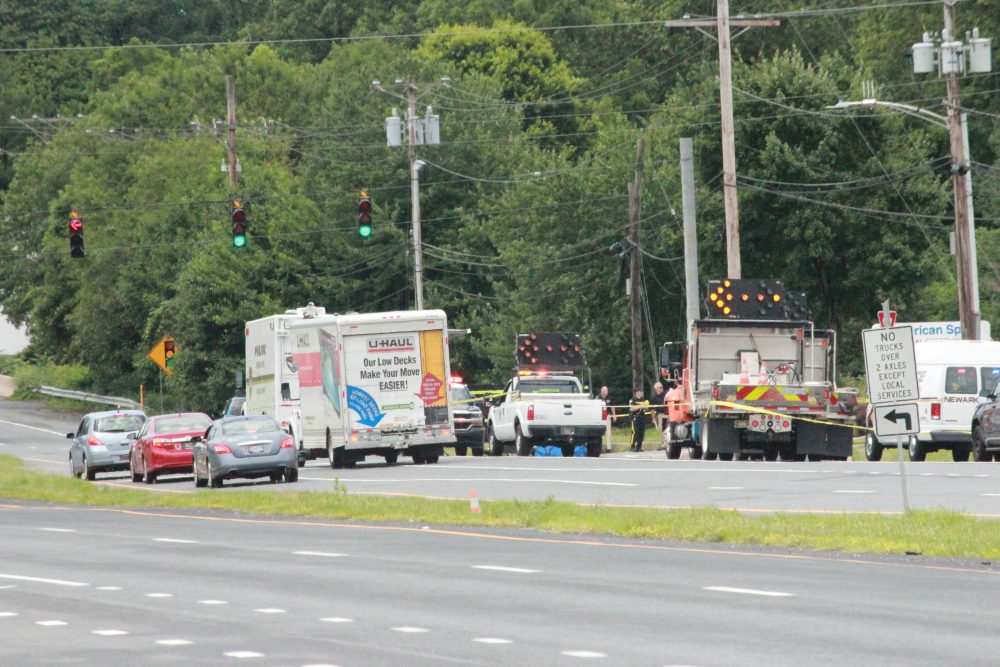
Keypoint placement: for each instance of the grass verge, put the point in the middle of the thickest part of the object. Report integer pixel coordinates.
(931, 533)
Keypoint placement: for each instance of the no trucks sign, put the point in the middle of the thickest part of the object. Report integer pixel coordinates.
(890, 365)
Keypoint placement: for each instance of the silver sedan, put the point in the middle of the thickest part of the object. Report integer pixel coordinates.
(247, 447)
(100, 442)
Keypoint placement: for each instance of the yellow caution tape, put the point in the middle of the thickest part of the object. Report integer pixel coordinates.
(785, 415)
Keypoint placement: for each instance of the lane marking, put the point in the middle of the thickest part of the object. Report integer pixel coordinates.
(270, 610)
(500, 568)
(409, 629)
(584, 654)
(748, 591)
(492, 640)
(853, 491)
(159, 595)
(173, 642)
(109, 588)
(382, 480)
(337, 619)
(51, 624)
(991, 495)
(110, 633)
(243, 654)
(323, 554)
(58, 530)
(6, 587)
(43, 580)
(212, 602)
(174, 540)
(5, 614)
(724, 488)
(33, 428)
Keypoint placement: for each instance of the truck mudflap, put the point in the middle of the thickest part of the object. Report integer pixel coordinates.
(823, 440)
(720, 436)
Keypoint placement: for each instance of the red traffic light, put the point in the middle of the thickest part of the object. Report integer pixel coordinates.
(75, 235)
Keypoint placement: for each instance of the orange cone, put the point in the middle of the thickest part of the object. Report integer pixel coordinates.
(473, 501)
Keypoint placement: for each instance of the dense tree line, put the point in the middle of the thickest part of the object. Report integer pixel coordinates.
(520, 200)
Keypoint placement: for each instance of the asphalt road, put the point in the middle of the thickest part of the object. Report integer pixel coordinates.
(90, 586)
(646, 479)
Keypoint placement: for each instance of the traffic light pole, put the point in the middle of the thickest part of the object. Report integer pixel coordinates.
(231, 122)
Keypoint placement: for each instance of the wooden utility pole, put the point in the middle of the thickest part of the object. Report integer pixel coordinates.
(231, 122)
(635, 277)
(722, 25)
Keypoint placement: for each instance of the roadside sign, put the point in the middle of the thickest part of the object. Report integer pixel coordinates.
(890, 365)
(892, 318)
(162, 354)
(891, 420)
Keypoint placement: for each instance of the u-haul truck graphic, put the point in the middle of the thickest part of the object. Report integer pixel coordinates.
(375, 384)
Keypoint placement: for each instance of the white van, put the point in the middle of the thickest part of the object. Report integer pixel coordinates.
(953, 376)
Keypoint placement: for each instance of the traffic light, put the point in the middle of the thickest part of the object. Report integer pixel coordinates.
(755, 300)
(75, 235)
(364, 215)
(168, 353)
(239, 225)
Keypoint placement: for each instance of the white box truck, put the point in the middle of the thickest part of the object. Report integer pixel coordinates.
(272, 376)
(375, 384)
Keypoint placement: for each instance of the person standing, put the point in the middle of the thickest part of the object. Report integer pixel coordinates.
(657, 404)
(605, 396)
(638, 408)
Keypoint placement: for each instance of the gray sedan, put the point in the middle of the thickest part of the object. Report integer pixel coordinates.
(244, 447)
(100, 443)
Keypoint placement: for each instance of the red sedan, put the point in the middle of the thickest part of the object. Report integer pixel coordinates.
(163, 446)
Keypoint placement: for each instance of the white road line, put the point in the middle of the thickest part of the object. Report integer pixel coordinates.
(5, 614)
(319, 665)
(173, 540)
(724, 488)
(43, 580)
(109, 588)
(6, 587)
(212, 602)
(410, 629)
(110, 633)
(748, 591)
(270, 610)
(337, 619)
(159, 595)
(492, 640)
(853, 491)
(243, 654)
(58, 530)
(51, 624)
(991, 495)
(500, 568)
(173, 642)
(584, 654)
(33, 428)
(383, 480)
(323, 554)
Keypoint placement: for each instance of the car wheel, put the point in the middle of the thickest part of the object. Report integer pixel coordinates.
(979, 452)
(198, 481)
(461, 450)
(275, 477)
(214, 482)
(917, 450)
(496, 447)
(391, 458)
(433, 458)
(86, 470)
(302, 460)
(522, 444)
(291, 475)
(873, 449)
(72, 468)
(477, 451)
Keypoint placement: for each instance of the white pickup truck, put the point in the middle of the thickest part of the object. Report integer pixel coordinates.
(546, 409)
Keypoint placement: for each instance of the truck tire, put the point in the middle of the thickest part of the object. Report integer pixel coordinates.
(873, 449)
(709, 456)
(960, 453)
(433, 458)
(461, 450)
(521, 443)
(696, 452)
(477, 451)
(673, 450)
(771, 453)
(334, 454)
(979, 452)
(725, 456)
(594, 448)
(918, 452)
(392, 457)
(496, 447)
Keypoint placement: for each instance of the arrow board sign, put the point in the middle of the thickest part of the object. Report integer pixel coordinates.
(890, 365)
(893, 420)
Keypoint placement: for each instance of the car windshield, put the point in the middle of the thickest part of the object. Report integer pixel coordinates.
(253, 425)
(548, 387)
(459, 392)
(119, 423)
(181, 423)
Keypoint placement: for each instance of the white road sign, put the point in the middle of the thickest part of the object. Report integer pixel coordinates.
(893, 420)
(890, 365)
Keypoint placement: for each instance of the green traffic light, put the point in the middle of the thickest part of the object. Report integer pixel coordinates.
(364, 231)
(240, 241)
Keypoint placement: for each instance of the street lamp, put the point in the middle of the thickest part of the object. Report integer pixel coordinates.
(970, 315)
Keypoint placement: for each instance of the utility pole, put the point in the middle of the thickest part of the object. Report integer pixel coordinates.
(722, 24)
(635, 277)
(231, 122)
(690, 232)
(419, 131)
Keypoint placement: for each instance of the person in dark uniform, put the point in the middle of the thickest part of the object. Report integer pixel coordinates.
(638, 408)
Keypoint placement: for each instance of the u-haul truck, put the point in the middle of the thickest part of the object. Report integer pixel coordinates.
(272, 377)
(375, 384)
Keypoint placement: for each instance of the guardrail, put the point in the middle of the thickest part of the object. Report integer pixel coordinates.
(116, 401)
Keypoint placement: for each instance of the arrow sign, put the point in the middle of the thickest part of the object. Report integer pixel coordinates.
(365, 405)
(892, 420)
(894, 417)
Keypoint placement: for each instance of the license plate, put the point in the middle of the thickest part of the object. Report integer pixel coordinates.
(566, 430)
(122, 457)
(254, 449)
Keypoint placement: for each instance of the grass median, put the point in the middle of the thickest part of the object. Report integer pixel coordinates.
(930, 533)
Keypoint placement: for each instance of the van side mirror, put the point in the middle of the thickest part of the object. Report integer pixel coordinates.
(132, 436)
(197, 438)
(664, 357)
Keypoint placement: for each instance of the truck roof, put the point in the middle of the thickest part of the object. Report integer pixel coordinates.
(372, 318)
